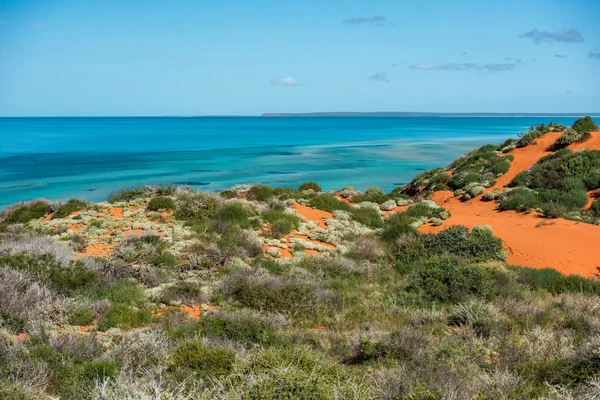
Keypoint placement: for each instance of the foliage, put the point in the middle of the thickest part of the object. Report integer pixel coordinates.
(260, 193)
(23, 213)
(585, 124)
(161, 203)
(68, 208)
(203, 361)
(310, 186)
(281, 223)
(327, 202)
(367, 216)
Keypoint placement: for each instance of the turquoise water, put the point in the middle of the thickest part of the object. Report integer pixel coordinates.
(88, 158)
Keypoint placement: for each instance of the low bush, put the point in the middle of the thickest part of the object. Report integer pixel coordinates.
(396, 226)
(228, 194)
(425, 183)
(554, 282)
(182, 293)
(260, 193)
(204, 362)
(81, 316)
(373, 195)
(281, 223)
(475, 246)
(595, 208)
(196, 206)
(161, 203)
(367, 216)
(126, 195)
(21, 214)
(446, 279)
(122, 316)
(585, 124)
(68, 208)
(239, 214)
(164, 260)
(310, 186)
(328, 203)
(99, 370)
(65, 279)
(519, 199)
(243, 327)
(571, 136)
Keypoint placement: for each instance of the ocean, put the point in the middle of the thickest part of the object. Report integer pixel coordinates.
(88, 158)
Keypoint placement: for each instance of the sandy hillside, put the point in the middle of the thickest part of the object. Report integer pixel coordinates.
(532, 241)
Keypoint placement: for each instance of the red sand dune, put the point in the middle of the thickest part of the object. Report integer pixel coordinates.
(531, 241)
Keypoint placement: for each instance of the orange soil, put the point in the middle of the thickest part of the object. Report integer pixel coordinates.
(76, 227)
(48, 217)
(312, 214)
(116, 212)
(99, 250)
(530, 240)
(194, 311)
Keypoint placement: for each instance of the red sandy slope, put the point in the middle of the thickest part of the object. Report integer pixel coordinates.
(568, 246)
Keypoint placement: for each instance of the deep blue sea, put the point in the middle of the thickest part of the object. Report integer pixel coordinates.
(88, 158)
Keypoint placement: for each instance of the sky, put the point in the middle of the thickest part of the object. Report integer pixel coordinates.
(240, 57)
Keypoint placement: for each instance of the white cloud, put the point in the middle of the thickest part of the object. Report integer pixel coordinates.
(284, 81)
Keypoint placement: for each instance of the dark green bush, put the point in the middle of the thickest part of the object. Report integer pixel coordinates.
(585, 124)
(161, 203)
(26, 212)
(478, 245)
(446, 279)
(203, 361)
(423, 210)
(425, 183)
(10, 392)
(126, 195)
(241, 328)
(328, 203)
(310, 186)
(519, 199)
(281, 223)
(554, 282)
(100, 370)
(260, 193)
(228, 194)
(239, 214)
(124, 317)
(396, 226)
(13, 323)
(65, 209)
(596, 207)
(367, 216)
(164, 260)
(123, 292)
(374, 195)
(65, 279)
(81, 316)
(571, 136)
(520, 179)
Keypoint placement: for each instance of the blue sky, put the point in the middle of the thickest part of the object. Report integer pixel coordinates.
(233, 57)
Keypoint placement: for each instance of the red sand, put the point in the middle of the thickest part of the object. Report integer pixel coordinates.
(530, 240)
(312, 214)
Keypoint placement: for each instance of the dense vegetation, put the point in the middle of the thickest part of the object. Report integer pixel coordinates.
(384, 312)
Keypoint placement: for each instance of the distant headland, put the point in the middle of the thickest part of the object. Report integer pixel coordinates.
(424, 114)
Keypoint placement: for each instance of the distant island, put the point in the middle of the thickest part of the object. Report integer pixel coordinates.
(423, 114)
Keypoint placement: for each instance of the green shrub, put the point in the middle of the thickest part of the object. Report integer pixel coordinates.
(425, 183)
(65, 279)
(396, 226)
(373, 195)
(100, 370)
(367, 216)
(9, 391)
(13, 323)
(181, 292)
(260, 193)
(124, 317)
(239, 214)
(520, 179)
(478, 245)
(126, 195)
(519, 199)
(281, 223)
(310, 186)
(571, 136)
(161, 203)
(244, 328)
(123, 292)
(585, 124)
(423, 210)
(26, 212)
(228, 194)
(196, 206)
(66, 209)
(554, 282)
(164, 260)
(81, 316)
(328, 203)
(445, 279)
(203, 361)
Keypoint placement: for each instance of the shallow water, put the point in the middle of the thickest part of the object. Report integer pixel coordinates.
(88, 158)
